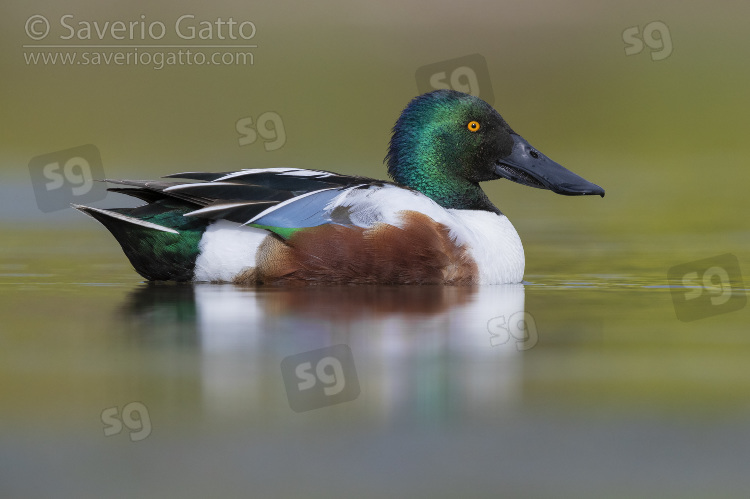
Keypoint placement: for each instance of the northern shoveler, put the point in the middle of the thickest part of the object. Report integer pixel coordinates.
(432, 224)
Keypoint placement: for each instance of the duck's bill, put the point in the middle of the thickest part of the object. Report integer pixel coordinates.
(527, 166)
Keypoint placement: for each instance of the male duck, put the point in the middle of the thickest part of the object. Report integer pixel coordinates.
(433, 224)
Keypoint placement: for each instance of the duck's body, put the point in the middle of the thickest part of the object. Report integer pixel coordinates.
(324, 227)
(283, 225)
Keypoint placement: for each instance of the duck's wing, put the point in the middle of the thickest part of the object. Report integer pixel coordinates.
(161, 237)
(240, 196)
(284, 200)
(361, 205)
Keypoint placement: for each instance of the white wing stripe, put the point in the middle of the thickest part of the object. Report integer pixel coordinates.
(211, 209)
(132, 220)
(196, 184)
(297, 172)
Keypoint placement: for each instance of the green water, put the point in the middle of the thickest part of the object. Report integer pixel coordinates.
(607, 395)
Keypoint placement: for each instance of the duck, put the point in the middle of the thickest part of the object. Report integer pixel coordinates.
(430, 224)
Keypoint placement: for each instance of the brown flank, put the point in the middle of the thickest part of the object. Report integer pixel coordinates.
(421, 252)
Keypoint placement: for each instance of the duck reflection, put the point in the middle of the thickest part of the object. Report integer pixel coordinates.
(427, 351)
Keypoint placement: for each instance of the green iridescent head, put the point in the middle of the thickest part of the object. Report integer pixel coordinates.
(446, 142)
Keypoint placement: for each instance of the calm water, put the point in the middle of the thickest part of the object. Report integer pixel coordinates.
(578, 383)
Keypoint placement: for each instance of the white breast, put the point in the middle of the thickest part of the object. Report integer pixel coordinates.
(493, 243)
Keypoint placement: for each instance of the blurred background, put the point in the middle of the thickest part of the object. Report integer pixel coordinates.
(648, 100)
(664, 136)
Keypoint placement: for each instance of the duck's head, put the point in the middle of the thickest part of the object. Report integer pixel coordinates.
(446, 142)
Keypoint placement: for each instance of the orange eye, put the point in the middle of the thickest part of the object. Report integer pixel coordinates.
(473, 126)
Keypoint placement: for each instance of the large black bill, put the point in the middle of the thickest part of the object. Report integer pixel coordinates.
(528, 166)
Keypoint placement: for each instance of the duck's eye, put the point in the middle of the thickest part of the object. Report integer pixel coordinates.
(473, 126)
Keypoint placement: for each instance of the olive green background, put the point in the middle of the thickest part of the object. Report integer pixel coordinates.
(665, 138)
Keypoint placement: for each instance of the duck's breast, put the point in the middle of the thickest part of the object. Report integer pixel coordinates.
(492, 242)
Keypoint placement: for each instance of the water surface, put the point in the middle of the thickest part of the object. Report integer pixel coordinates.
(525, 389)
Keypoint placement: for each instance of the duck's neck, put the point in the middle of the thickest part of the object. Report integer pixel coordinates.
(449, 191)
